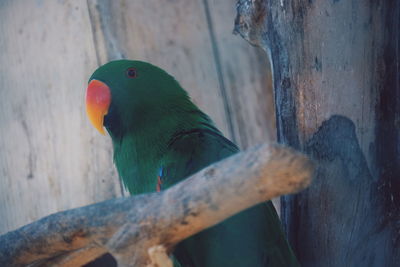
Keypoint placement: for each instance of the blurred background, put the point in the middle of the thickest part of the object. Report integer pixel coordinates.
(51, 159)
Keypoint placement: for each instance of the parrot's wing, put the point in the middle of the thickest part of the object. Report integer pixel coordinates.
(191, 151)
(251, 238)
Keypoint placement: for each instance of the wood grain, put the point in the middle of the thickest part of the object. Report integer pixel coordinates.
(130, 227)
(50, 157)
(245, 76)
(336, 81)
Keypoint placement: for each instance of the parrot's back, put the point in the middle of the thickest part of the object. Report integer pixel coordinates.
(251, 238)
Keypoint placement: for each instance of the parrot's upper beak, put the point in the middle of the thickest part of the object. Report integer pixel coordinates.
(98, 99)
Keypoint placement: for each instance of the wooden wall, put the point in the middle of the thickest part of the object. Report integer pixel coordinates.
(51, 159)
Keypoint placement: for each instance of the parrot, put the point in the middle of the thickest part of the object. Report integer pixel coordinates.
(160, 137)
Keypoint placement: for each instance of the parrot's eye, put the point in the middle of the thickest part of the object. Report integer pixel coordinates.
(131, 73)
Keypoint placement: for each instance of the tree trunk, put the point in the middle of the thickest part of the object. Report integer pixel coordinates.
(336, 80)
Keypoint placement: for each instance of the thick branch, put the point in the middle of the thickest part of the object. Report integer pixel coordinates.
(129, 227)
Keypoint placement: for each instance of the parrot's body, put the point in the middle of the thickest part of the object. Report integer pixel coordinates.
(160, 137)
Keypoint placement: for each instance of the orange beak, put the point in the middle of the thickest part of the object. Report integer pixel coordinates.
(98, 99)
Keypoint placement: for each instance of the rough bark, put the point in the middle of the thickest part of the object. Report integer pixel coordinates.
(337, 95)
(138, 229)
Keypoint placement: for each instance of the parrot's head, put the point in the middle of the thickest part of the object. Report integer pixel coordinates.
(122, 94)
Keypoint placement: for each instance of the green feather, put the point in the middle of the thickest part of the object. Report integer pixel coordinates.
(157, 131)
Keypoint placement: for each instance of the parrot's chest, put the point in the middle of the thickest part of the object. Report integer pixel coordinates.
(138, 168)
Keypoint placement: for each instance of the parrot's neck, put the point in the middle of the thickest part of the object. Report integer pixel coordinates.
(137, 152)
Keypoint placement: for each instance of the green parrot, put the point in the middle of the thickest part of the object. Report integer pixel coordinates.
(160, 138)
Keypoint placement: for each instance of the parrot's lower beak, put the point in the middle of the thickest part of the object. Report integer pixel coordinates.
(98, 99)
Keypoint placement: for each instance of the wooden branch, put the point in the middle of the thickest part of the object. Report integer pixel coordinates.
(136, 230)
